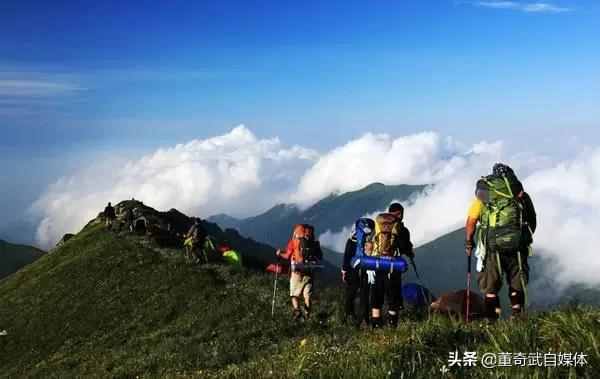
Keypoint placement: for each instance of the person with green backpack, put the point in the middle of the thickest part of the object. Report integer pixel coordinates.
(499, 231)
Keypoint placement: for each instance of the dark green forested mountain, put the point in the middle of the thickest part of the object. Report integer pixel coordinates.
(14, 257)
(332, 213)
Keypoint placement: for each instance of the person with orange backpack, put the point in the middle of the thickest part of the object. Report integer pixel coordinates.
(305, 254)
(391, 239)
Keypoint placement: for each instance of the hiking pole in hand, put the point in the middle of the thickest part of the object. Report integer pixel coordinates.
(275, 288)
(412, 262)
(468, 307)
(426, 296)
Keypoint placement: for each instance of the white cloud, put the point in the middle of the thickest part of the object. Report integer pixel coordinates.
(414, 159)
(528, 7)
(442, 207)
(567, 198)
(235, 172)
(240, 174)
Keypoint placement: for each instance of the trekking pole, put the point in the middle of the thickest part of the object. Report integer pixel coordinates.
(469, 253)
(522, 277)
(274, 291)
(420, 282)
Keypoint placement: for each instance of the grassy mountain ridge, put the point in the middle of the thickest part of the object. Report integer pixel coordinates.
(110, 305)
(13, 257)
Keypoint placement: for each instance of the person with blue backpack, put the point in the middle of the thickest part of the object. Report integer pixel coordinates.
(354, 278)
(383, 265)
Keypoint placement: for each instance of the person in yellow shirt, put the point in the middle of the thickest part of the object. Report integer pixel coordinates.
(495, 264)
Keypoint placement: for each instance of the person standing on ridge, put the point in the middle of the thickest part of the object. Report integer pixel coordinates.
(109, 216)
(195, 239)
(391, 239)
(129, 219)
(499, 231)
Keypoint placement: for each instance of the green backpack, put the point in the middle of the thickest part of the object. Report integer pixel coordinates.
(501, 223)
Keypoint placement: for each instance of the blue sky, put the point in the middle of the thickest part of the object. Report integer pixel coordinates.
(80, 80)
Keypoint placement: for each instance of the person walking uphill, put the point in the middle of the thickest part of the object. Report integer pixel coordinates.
(194, 243)
(109, 215)
(506, 220)
(304, 253)
(391, 239)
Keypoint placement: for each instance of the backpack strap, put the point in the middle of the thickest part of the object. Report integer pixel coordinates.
(508, 195)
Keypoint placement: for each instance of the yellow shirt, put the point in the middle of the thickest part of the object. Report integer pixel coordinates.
(475, 209)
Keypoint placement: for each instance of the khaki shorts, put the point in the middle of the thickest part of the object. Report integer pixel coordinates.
(301, 285)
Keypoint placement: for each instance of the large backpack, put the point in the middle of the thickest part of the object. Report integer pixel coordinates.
(364, 230)
(308, 247)
(386, 234)
(502, 217)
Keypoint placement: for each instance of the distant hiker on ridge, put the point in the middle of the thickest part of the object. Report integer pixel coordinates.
(129, 220)
(507, 220)
(109, 216)
(304, 253)
(194, 242)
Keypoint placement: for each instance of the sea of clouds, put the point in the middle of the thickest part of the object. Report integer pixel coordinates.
(241, 175)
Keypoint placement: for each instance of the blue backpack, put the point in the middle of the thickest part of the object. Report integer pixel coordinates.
(416, 295)
(364, 229)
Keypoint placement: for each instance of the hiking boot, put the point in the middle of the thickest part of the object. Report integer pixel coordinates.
(306, 312)
(296, 315)
(376, 323)
(517, 315)
(392, 321)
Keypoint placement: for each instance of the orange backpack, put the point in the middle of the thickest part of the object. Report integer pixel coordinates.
(303, 242)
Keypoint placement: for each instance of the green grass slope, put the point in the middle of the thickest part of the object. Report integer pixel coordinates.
(108, 305)
(14, 257)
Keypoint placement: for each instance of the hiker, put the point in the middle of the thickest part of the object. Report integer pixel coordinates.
(109, 216)
(194, 243)
(507, 221)
(304, 253)
(129, 220)
(230, 256)
(391, 239)
(354, 278)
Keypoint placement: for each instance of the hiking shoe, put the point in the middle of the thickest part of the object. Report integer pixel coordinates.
(296, 315)
(306, 312)
(376, 323)
(520, 316)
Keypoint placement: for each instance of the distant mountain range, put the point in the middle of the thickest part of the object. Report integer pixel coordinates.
(333, 213)
(13, 257)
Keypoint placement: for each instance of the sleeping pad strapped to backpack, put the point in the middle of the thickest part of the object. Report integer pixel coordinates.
(382, 236)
